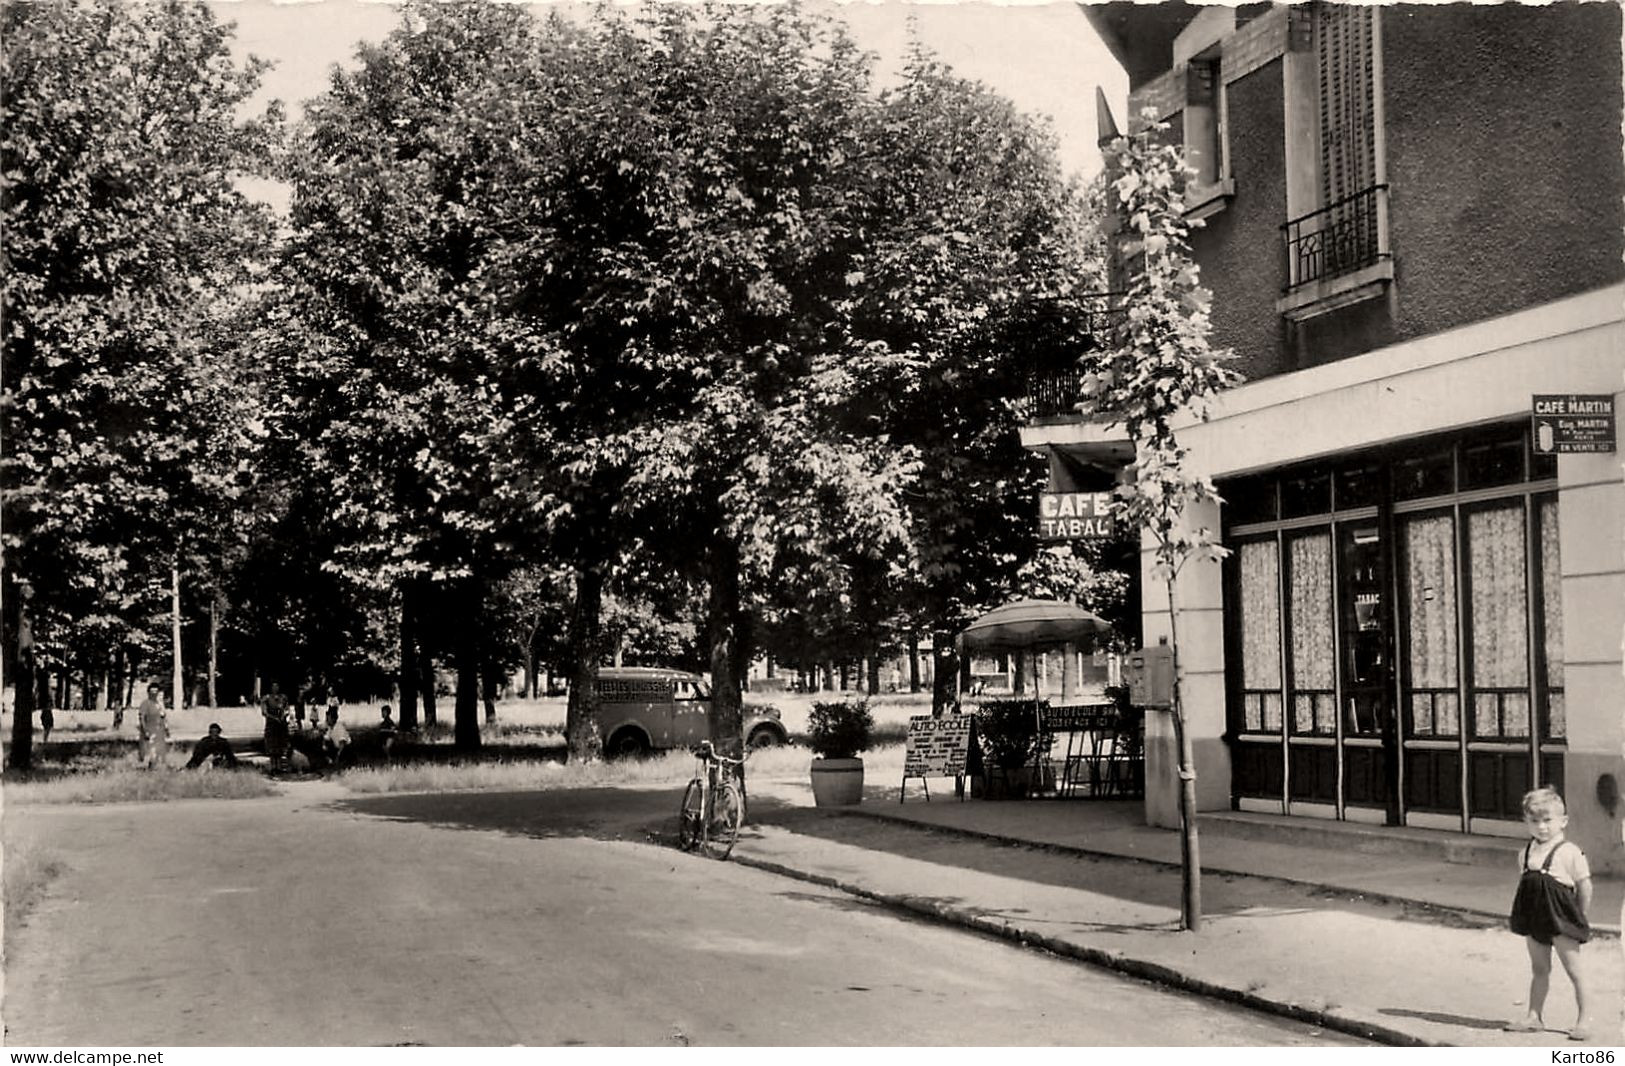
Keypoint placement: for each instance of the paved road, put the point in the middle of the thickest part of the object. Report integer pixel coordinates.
(514, 918)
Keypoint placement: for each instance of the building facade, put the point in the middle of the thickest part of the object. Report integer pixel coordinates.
(1412, 229)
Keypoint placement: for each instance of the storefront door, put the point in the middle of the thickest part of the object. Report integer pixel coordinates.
(1369, 736)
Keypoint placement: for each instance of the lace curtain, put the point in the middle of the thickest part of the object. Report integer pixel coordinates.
(1430, 576)
(1551, 587)
(1500, 620)
(1261, 633)
(1313, 659)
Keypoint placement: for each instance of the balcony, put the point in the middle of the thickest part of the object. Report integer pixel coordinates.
(1337, 255)
(1054, 381)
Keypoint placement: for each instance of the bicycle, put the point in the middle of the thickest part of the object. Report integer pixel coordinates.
(708, 821)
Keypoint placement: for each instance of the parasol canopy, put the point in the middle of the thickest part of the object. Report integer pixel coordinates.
(1025, 624)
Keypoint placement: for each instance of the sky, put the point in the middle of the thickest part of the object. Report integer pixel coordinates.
(1043, 56)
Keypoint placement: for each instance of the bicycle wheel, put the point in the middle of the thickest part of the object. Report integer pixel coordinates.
(691, 818)
(727, 811)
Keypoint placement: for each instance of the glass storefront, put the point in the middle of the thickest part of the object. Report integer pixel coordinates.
(1398, 622)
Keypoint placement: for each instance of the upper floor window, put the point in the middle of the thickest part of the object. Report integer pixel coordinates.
(1336, 236)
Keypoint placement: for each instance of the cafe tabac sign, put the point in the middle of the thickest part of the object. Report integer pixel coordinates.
(1565, 424)
(1074, 515)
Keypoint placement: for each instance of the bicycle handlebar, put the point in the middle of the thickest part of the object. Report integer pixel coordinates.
(707, 751)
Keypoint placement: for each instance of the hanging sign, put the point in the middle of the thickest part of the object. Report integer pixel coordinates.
(1074, 515)
(1566, 424)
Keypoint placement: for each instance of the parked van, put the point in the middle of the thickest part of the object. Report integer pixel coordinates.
(644, 708)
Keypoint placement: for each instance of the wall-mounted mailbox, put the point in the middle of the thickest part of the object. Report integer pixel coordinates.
(1149, 674)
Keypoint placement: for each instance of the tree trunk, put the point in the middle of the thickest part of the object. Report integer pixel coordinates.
(177, 688)
(408, 676)
(874, 675)
(21, 756)
(466, 716)
(214, 648)
(64, 685)
(724, 622)
(913, 662)
(581, 734)
(944, 673)
(1018, 673)
(1190, 854)
(530, 671)
(420, 632)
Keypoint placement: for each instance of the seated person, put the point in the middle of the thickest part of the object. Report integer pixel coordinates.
(214, 748)
(335, 738)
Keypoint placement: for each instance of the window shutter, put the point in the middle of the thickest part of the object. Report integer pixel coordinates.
(1348, 140)
(1348, 131)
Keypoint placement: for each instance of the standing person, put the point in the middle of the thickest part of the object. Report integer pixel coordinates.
(153, 726)
(1554, 894)
(387, 732)
(275, 710)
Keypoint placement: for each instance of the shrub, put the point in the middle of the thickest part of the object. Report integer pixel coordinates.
(1009, 732)
(840, 729)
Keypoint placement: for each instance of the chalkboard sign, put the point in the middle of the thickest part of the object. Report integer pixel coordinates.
(937, 747)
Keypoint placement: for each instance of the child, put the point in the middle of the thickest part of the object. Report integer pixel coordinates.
(1554, 893)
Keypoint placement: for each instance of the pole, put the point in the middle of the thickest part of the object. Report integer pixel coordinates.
(176, 695)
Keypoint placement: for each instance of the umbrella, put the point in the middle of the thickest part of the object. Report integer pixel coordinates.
(1028, 623)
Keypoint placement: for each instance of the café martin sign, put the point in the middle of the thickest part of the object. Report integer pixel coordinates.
(1074, 515)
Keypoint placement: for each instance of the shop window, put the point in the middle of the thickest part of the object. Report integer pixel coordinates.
(1260, 569)
(1248, 500)
(1430, 595)
(1542, 467)
(1490, 464)
(1417, 477)
(1551, 610)
(1359, 486)
(1306, 494)
(1500, 622)
(1314, 661)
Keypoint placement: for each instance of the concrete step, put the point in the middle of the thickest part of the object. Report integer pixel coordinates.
(1498, 852)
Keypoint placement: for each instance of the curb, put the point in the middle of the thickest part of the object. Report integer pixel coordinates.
(1145, 969)
(1494, 917)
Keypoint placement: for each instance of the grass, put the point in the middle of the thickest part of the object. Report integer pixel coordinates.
(28, 871)
(133, 784)
(667, 769)
(522, 749)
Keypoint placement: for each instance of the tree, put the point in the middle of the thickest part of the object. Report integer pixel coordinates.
(1162, 369)
(984, 259)
(388, 361)
(125, 235)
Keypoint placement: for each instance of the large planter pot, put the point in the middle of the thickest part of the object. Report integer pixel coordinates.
(837, 782)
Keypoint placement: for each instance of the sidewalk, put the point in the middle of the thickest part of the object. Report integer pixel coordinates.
(1404, 949)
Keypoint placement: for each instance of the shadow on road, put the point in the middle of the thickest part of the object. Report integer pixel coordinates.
(1224, 895)
(595, 813)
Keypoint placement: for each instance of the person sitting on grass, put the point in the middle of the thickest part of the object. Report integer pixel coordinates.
(335, 738)
(214, 748)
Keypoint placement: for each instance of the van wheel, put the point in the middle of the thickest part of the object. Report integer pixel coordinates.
(626, 745)
(765, 738)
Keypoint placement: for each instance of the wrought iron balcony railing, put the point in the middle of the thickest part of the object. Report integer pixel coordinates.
(1054, 379)
(1340, 238)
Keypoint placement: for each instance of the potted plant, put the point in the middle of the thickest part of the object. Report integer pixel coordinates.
(1011, 742)
(837, 731)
